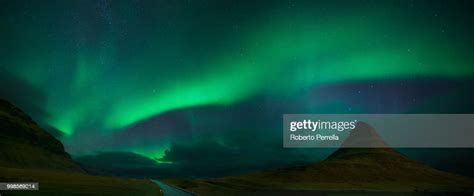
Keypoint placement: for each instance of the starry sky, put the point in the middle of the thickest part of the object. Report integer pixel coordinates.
(209, 80)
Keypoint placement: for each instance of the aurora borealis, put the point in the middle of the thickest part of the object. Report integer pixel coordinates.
(147, 76)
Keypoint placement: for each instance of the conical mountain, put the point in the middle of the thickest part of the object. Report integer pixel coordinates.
(364, 135)
(379, 168)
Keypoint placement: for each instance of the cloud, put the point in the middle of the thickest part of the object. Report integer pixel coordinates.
(230, 156)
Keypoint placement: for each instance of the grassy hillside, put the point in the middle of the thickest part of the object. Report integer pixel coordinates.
(23, 144)
(30, 154)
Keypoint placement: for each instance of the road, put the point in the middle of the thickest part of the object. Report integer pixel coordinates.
(169, 190)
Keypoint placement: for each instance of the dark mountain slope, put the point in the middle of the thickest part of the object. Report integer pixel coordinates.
(30, 154)
(23, 144)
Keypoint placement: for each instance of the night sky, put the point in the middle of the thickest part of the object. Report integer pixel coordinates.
(199, 83)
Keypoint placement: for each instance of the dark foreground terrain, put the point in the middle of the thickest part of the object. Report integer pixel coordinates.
(75, 183)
